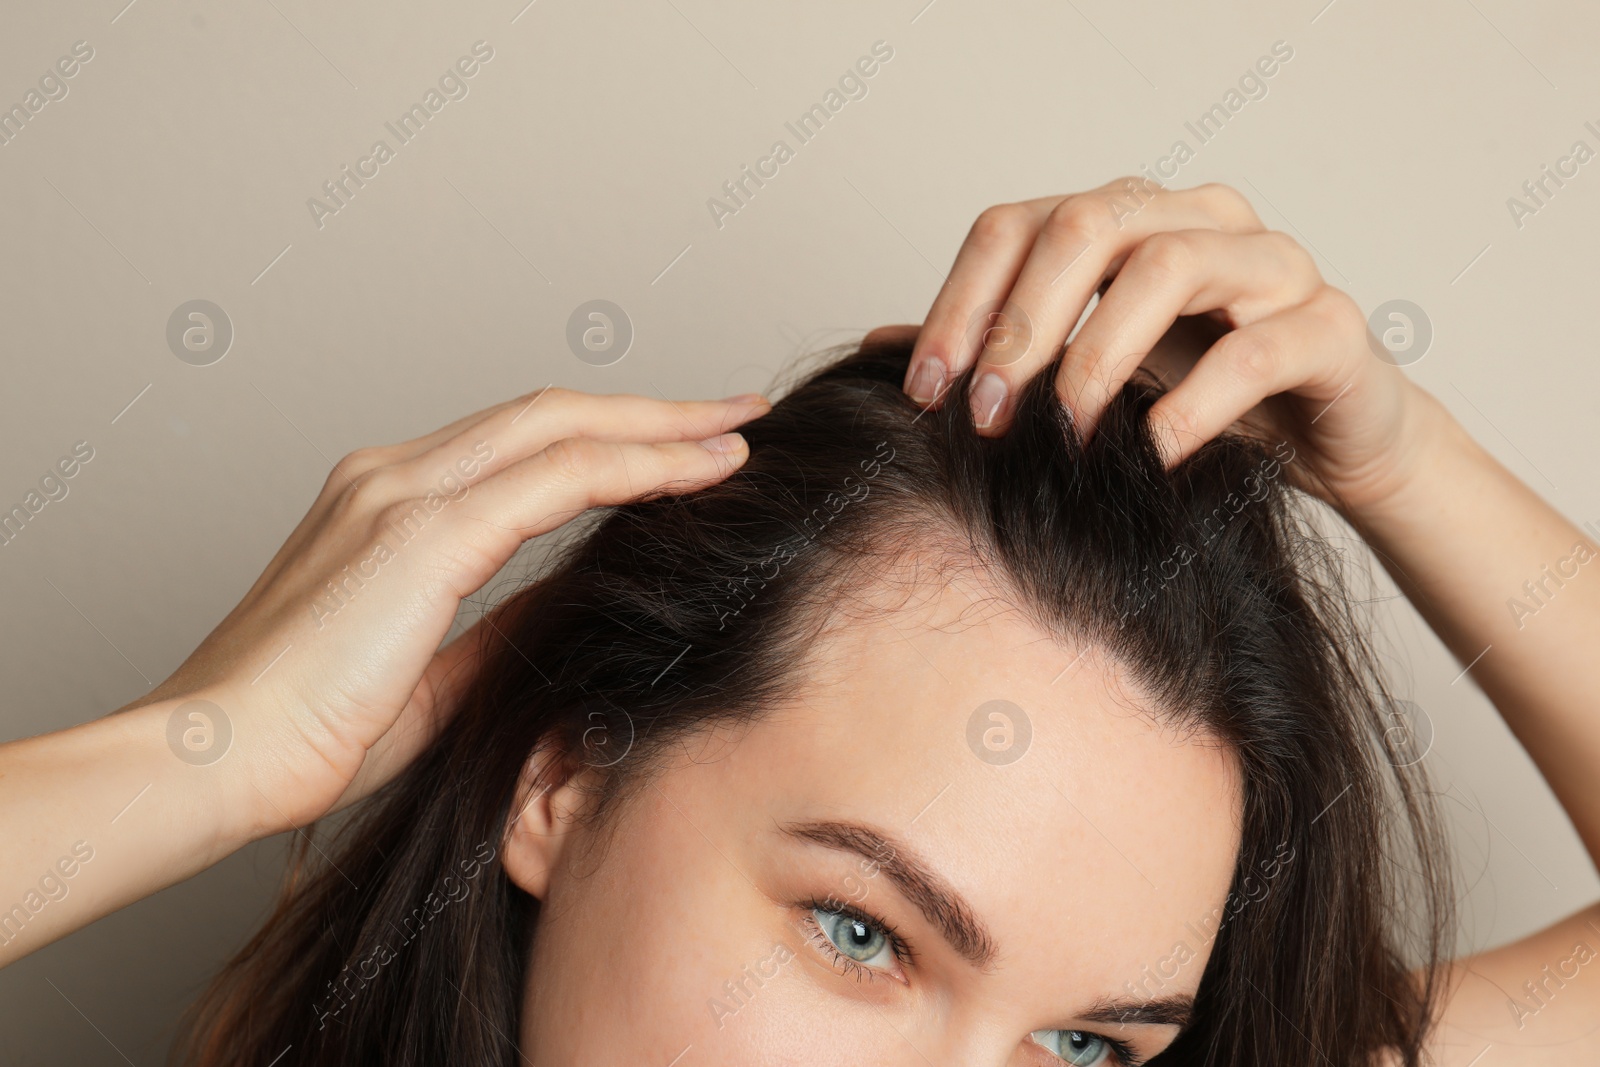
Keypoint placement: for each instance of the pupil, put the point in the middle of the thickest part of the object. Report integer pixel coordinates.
(858, 932)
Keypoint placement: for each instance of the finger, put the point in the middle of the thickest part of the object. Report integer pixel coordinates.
(1084, 240)
(1173, 273)
(421, 558)
(479, 445)
(509, 436)
(1305, 349)
(512, 411)
(364, 459)
(990, 258)
(418, 445)
(548, 489)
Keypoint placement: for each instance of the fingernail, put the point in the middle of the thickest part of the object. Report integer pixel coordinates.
(927, 379)
(987, 396)
(745, 398)
(724, 442)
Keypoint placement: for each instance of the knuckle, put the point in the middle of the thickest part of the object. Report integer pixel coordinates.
(371, 490)
(409, 515)
(1178, 421)
(1227, 203)
(1253, 355)
(1078, 217)
(1339, 311)
(1083, 352)
(1343, 317)
(1168, 252)
(1082, 360)
(1294, 252)
(554, 394)
(1220, 194)
(573, 458)
(1000, 224)
(1134, 185)
(1007, 337)
(356, 463)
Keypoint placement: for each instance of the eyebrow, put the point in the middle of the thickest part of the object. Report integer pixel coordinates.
(936, 898)
(947, 910)
(1176, 1010)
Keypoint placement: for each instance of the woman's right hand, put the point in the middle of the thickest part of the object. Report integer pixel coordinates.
(329, 673)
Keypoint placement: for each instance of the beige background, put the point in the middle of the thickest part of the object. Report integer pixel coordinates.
(578, 167)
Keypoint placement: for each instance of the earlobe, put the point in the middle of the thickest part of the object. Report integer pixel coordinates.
(537, 833)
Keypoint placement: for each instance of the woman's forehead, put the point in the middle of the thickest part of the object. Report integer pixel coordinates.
(1029, 773)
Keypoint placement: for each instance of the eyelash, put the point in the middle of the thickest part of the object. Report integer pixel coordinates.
(899, 945)
(1121, 1051)
(1122, 1054)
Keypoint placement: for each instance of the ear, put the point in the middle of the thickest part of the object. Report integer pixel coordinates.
(537, 835)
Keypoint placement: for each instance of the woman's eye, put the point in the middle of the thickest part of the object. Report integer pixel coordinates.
(1074, 1046)
(855, 938)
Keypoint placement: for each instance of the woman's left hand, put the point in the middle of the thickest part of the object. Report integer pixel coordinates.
(1292, 362)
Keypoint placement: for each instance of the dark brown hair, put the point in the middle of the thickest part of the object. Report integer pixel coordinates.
(672, 614)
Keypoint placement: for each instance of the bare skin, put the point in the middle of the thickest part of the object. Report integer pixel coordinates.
(325, 707)
(1291, 360)
(1085, 913)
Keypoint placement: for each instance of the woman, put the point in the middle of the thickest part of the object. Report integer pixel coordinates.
(1021, 720)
